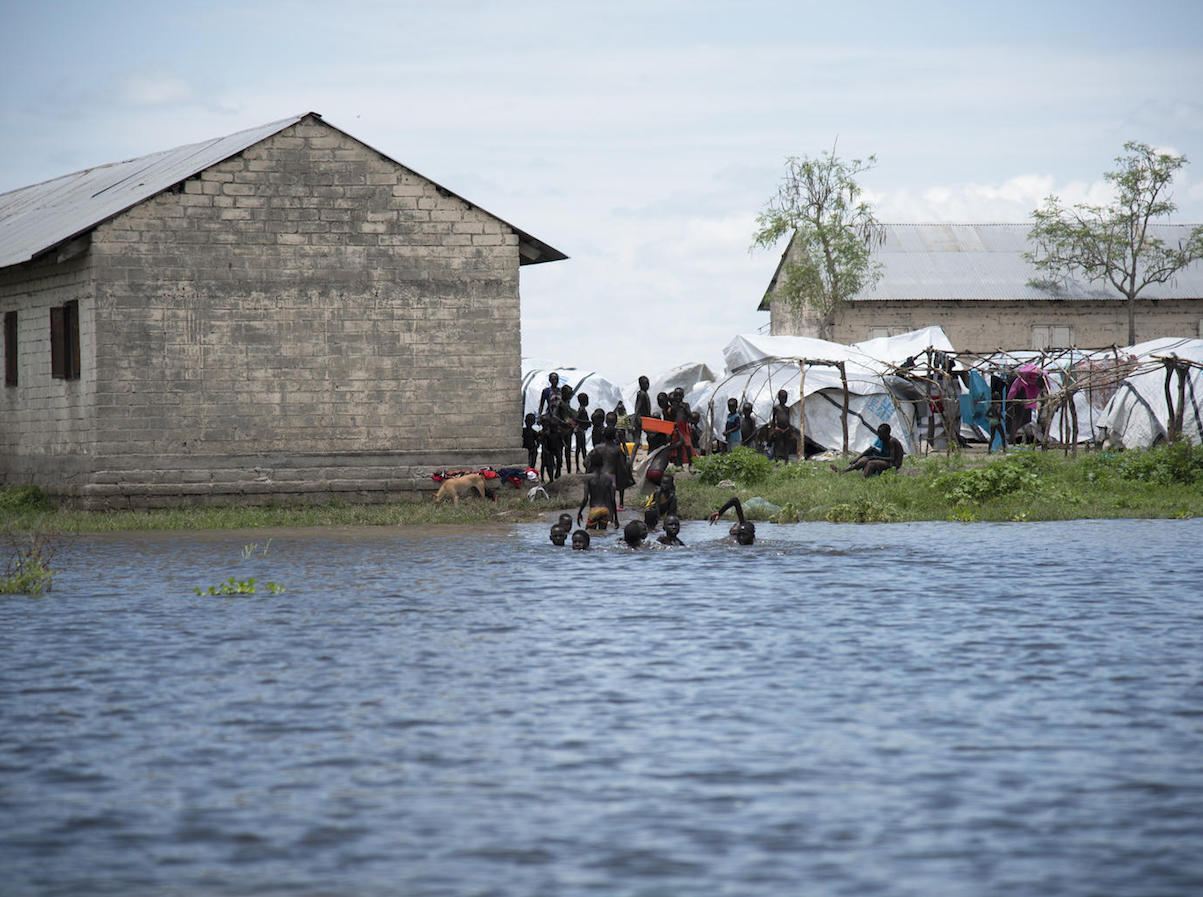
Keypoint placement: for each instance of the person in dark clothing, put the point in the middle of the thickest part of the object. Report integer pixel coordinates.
(745, 530)
(681, 451)
(568, 429)
(552, 426)
(664, 499)
(612, 460)
(780, 428)
(643, 408)
(597, 421)
(634, 533)
(747, 425)
(672, 526)
(581, 421)
(994, 417)
(530, 440)
(552, 388)
(884, 454)
(599, 497)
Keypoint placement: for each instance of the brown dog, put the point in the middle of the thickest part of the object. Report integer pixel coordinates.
(462, 485)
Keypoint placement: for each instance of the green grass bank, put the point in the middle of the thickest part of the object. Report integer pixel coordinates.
(1165, 482)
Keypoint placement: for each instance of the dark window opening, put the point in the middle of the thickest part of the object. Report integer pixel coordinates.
(64, 341)
(10, 348)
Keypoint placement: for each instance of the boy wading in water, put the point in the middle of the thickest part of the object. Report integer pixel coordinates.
(599, 498)
(672, 526)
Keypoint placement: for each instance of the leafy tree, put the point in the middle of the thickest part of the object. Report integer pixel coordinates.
(832, 234)
(1112, 243)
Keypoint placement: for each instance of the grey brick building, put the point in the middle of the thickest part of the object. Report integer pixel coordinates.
(284, 313)
(972, 280)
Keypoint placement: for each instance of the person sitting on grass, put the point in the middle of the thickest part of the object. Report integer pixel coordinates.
(745, 530)
(884, 454)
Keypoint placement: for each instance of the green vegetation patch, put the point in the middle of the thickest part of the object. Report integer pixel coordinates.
(1016, 472)
(27, 570)
(741, 465)
(863, 509)
(1163, 465)
(1017, 486)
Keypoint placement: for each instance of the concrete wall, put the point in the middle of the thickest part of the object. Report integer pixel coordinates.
(979, 326)
(305, 319)
(47, 424)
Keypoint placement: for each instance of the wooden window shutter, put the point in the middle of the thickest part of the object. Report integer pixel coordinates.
(71, 325)
(64, 341)
(58, 362)
(10, 348)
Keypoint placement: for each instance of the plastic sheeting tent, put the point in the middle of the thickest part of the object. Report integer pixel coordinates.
(1116, 393)
(759, 366)
(1137, 416)
(694, 377)
(602, 393)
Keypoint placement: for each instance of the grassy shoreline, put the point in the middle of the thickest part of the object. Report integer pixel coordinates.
(1165, 482)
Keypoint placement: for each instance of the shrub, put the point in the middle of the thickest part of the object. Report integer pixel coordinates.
(1162, 465)
(741, 464)
(22, 498)
(1018, 471)
(863, 510)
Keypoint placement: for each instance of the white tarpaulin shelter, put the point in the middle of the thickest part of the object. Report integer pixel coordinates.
(875, 354)
(602, 393)
(1137, 415)
(693, 377)
(758, 366)
(1117, 393)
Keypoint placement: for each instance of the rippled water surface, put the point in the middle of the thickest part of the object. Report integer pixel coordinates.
(927, 709)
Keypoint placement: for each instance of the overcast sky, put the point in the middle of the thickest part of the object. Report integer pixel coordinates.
(640, 138)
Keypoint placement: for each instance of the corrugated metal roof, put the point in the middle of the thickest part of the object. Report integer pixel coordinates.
(985, 262)
(40, 217)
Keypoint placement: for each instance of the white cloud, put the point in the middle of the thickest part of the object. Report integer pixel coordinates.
(153, 89)
(1011, 201)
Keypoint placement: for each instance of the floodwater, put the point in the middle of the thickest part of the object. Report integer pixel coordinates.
(921, 709)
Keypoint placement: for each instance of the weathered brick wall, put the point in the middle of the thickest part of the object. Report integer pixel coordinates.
(307, 295)
(305, 319)
(986, 325)
(45, 423)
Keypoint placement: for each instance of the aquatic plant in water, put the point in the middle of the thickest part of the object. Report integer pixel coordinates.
(28, 570)
(248, 551)
(234, 586)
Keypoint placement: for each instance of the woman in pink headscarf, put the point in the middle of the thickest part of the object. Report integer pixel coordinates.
(1030, 383)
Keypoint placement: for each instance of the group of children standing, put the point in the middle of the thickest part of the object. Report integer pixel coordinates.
(558, 436)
